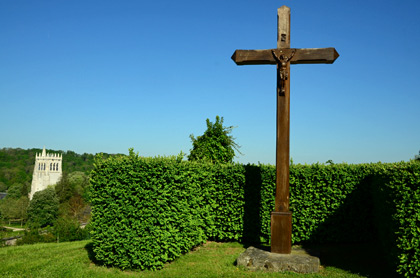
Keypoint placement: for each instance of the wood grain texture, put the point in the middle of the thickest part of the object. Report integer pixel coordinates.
(302, 56)
(283, 27)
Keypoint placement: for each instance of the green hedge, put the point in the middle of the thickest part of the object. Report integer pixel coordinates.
(222, 192)
(397, 215)
(148, 211)
(145, 212)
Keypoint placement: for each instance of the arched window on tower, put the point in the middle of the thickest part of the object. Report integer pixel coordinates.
(50, 166)
(39, 166)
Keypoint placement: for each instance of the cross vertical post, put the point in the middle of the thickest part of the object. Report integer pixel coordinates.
(283, 56)
(281, 217)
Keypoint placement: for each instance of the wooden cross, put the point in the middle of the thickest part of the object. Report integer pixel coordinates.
(283, 56)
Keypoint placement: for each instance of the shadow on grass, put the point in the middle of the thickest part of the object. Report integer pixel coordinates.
(91, 254)
(362, 258)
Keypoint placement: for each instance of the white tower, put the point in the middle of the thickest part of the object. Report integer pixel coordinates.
(47, 171)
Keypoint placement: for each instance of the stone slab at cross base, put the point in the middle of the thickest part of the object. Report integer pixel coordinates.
(298, 261)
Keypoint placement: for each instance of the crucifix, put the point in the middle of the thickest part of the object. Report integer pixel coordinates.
(283, 56)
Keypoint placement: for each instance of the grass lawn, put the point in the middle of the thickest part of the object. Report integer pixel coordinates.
(71, 259)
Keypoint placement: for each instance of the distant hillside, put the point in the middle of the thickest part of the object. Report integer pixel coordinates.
(17, 165)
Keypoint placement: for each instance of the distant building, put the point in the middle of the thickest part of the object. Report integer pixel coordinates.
(47, 171)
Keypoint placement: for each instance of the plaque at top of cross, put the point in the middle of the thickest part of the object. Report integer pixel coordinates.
(283, 56)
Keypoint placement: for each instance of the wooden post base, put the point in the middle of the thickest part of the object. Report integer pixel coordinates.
(281, 232)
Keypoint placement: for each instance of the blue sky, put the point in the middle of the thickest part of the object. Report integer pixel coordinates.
(104, 76)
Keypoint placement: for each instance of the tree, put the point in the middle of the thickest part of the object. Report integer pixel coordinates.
(3, 187)
(79, 181)
(215, 145)
(15, 191)
(72, 192)
(43, 209)
(77, 208)
(68, 229)
(15, 204)
(11, 208)
(64, 189)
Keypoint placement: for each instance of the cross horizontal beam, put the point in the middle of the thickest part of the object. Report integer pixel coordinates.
(301, 56)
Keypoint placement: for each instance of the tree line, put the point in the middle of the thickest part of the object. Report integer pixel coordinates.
(17, 166)
(65, 206)
(62, 207)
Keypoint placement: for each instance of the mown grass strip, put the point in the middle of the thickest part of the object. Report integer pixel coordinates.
(72, 259)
